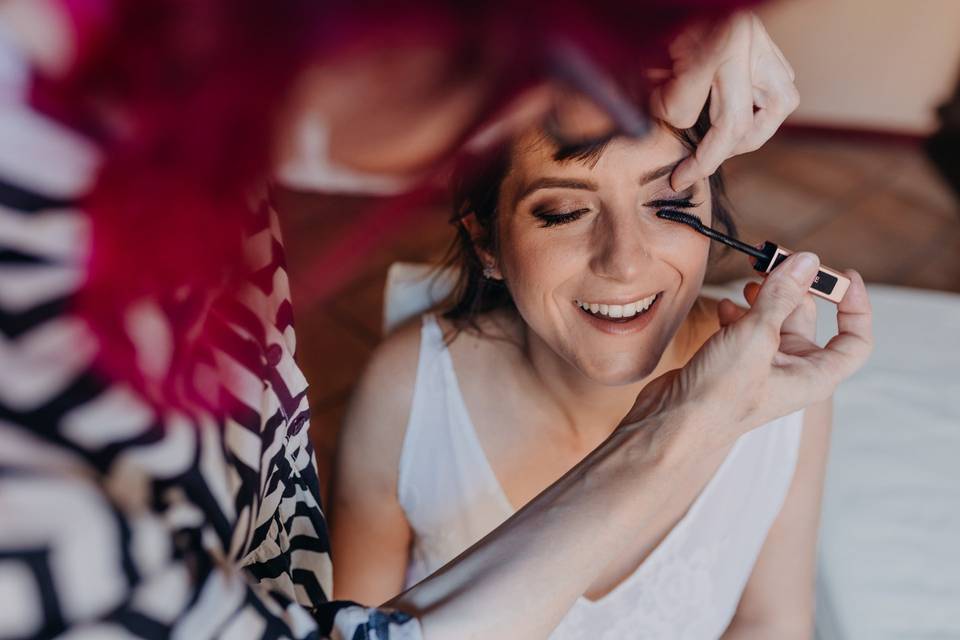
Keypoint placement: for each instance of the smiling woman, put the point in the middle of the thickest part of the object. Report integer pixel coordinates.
(584, 197)
(477, 197)
(582, 229)
(572, 296)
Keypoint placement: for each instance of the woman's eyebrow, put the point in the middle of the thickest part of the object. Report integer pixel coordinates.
(553, 183)
(568, 183)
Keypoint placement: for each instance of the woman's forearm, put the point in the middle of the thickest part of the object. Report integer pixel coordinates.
(520, 580)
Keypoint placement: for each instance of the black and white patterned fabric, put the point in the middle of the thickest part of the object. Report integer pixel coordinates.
(116, 521)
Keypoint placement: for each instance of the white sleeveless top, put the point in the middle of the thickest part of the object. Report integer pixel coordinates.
(688, 586)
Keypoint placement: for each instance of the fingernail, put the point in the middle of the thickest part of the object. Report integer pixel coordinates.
(802, 265)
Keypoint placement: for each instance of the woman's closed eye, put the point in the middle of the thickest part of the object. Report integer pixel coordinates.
(553, 215)
(681, 200)
(552, 218)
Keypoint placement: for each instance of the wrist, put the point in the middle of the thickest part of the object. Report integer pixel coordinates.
(670, 437)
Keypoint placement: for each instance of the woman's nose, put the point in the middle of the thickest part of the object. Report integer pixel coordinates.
(620, 247)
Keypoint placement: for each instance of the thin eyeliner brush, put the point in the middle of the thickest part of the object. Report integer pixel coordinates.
(829, 284)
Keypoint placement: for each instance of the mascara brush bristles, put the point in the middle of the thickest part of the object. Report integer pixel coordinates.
(680, 216)
(694, 221)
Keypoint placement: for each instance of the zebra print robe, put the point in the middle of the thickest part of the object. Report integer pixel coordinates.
(116, 521)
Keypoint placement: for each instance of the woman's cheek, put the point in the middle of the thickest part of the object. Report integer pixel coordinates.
(684, 253)
(539, 253)
(692, 262)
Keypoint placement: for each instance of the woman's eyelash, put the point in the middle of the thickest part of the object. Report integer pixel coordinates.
(553, 219)
(683, 203)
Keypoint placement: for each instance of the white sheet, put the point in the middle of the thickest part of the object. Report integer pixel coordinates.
(889, 562)
(890, 537)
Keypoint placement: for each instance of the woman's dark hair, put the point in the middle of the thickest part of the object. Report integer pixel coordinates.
(476, 190)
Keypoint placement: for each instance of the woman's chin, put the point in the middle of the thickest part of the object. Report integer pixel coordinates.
(619, 374)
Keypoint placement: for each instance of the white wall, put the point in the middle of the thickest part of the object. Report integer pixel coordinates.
(871, 64)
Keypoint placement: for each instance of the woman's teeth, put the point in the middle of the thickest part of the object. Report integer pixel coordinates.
(617, 310)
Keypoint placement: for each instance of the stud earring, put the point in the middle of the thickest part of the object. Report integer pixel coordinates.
(488, 272)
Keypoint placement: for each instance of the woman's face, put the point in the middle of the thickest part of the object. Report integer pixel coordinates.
(578, 233)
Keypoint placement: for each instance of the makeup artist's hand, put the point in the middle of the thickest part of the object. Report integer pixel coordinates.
(762, 364)
(801, 322)
(739, 67)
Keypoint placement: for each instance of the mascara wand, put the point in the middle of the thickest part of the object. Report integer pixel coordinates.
(829, 284)
(695, 222)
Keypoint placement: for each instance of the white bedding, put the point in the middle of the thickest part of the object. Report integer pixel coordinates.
(889, 564)
(890, 537)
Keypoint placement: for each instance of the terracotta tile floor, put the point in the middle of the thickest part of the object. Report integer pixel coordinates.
(877, 207)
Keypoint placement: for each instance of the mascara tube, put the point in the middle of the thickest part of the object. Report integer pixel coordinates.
(829, 284)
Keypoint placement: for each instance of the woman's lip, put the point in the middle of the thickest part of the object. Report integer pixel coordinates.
(623, 300)
(620, 326)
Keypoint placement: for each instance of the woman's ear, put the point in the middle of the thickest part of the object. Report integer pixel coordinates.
(491, 270)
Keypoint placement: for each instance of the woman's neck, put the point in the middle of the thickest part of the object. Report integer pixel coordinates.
(591, 410)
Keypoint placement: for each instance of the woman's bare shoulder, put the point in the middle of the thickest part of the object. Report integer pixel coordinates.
(370, 441)
(379, 408)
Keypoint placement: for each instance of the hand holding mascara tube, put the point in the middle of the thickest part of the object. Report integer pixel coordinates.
(829, 284)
